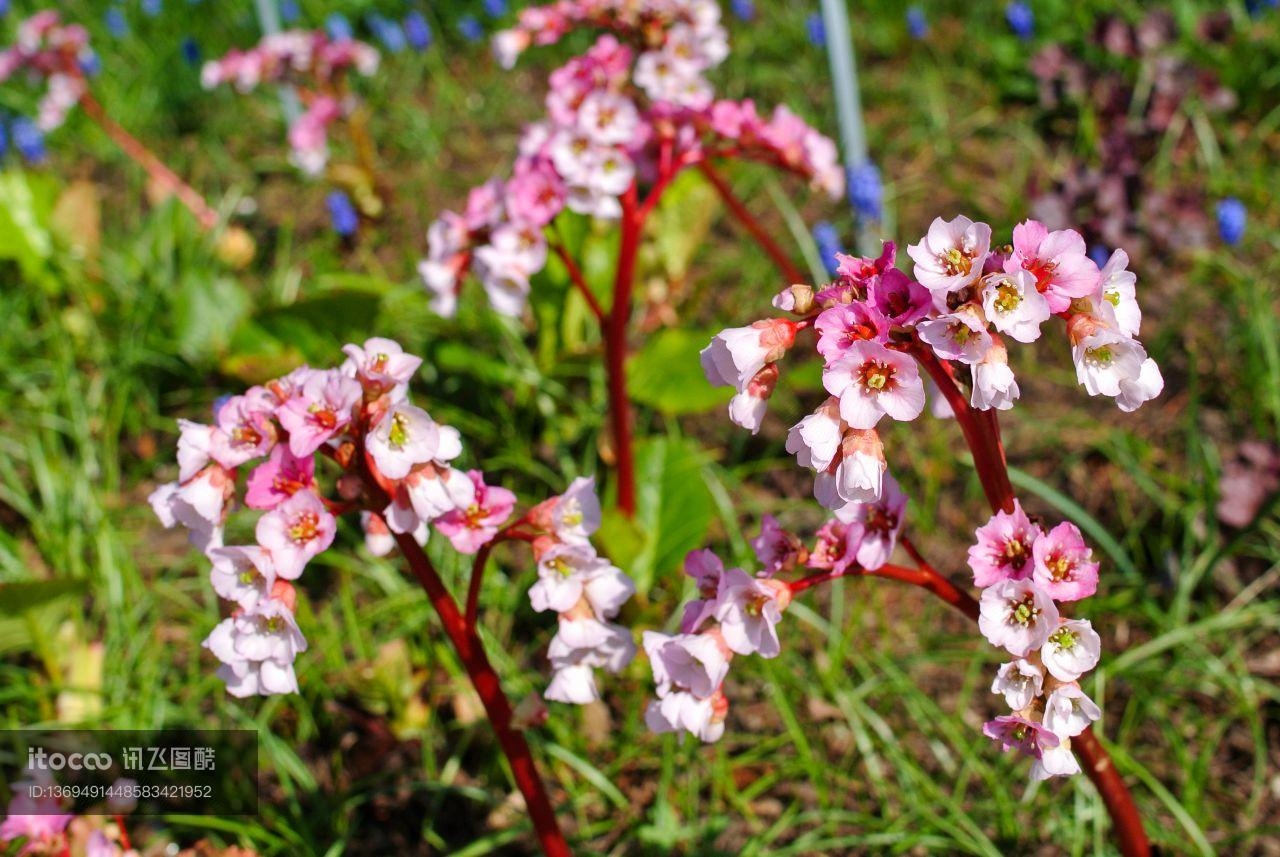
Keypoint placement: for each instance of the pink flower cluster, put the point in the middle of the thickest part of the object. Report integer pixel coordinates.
(288, 422)
(51, 51)
(42, 826)
(584, 589)
(1025, 574)
(873, 321)
(393, 463)
(310, 61)
(634, 108)
(736, 614)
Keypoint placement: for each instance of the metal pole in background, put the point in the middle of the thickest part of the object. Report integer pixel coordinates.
(844, 77)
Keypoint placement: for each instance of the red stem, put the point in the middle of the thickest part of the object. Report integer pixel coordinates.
(615, 348)
(580, 282)
(982, 433)
(145, 158)
(466, 642)
(784, 263)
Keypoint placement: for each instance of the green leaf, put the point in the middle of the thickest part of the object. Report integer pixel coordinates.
(674, 507)
(206, 312)
(17, 598)
(26, 203)
(681, 223)
(666, 374)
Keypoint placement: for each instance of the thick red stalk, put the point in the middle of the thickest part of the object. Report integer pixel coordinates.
(758, 232)
(466, 642)
(615, 348)
(145, 158)
(982, 433)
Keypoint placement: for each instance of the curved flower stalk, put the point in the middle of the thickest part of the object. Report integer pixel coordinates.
(876, 329)
(623, 120)
(59, 54)
(327, 442)
(317, 67)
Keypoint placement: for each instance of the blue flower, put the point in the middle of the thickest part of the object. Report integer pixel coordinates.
(4, 135)
(388, 32)
(117, 25)
(1021, 20)
(1099, 254)
(338, 27)
(289, 11)
(917, 26)
(191, 52)
(342, 214)
(470, 28)
(28, 140)
(495, 8)
(745, 10)
(1232, 219)
(417, 31)
(828, 241)
(817, 30)
(866, 193)
(4, 8)
(90, 64)
(151, 8)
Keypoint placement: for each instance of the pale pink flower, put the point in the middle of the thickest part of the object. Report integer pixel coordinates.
(243, 574)
(1064, 565)
(748, 610)
(378, 537)
(576, 513)
(959, 336)
(580, 645)
(245, 430)
(567, 573)
(1018, 733)
(1118, 287)
(1058, 261)
(950, 257)
(706, 569)
(295, 532)
(994, 384)
(319, 411)
(1137, 391)
(1004, 548)
(1017, 616)
(778, 550)
(815, 440)
(429, 493)
(871, 381)
(859, 472)
(1019, 682)
(478, 523)
(1071, 650)
(697, 663)
(682, 711)
(195, 441)
(1056, 761)
(1013, 304)
(736, 354)
(381, 365)
(278, 478)
(1106, 359)
(406, 436)
(257, 648)
(748, 407)
(880, 523)
(1068, 712)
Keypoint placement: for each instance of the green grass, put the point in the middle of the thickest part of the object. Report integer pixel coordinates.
(864, 735)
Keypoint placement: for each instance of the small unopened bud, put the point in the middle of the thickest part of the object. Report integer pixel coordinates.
(797, 299)
(350, 486)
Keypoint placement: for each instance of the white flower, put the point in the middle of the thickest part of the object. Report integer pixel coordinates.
(1119, 289)
(1013, 304)
(1019, 682)
(1106, 359)
(1056, 761)
(406, 436)
(748, 610)
(815, 440)
(1068, 712)
(1071, 649)
(1017, 615)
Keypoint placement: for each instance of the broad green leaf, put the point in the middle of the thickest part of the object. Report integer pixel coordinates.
(18, 598)
(674, 506)
(206, 313)
(666, 374)
(681, 223)
(26, 202)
